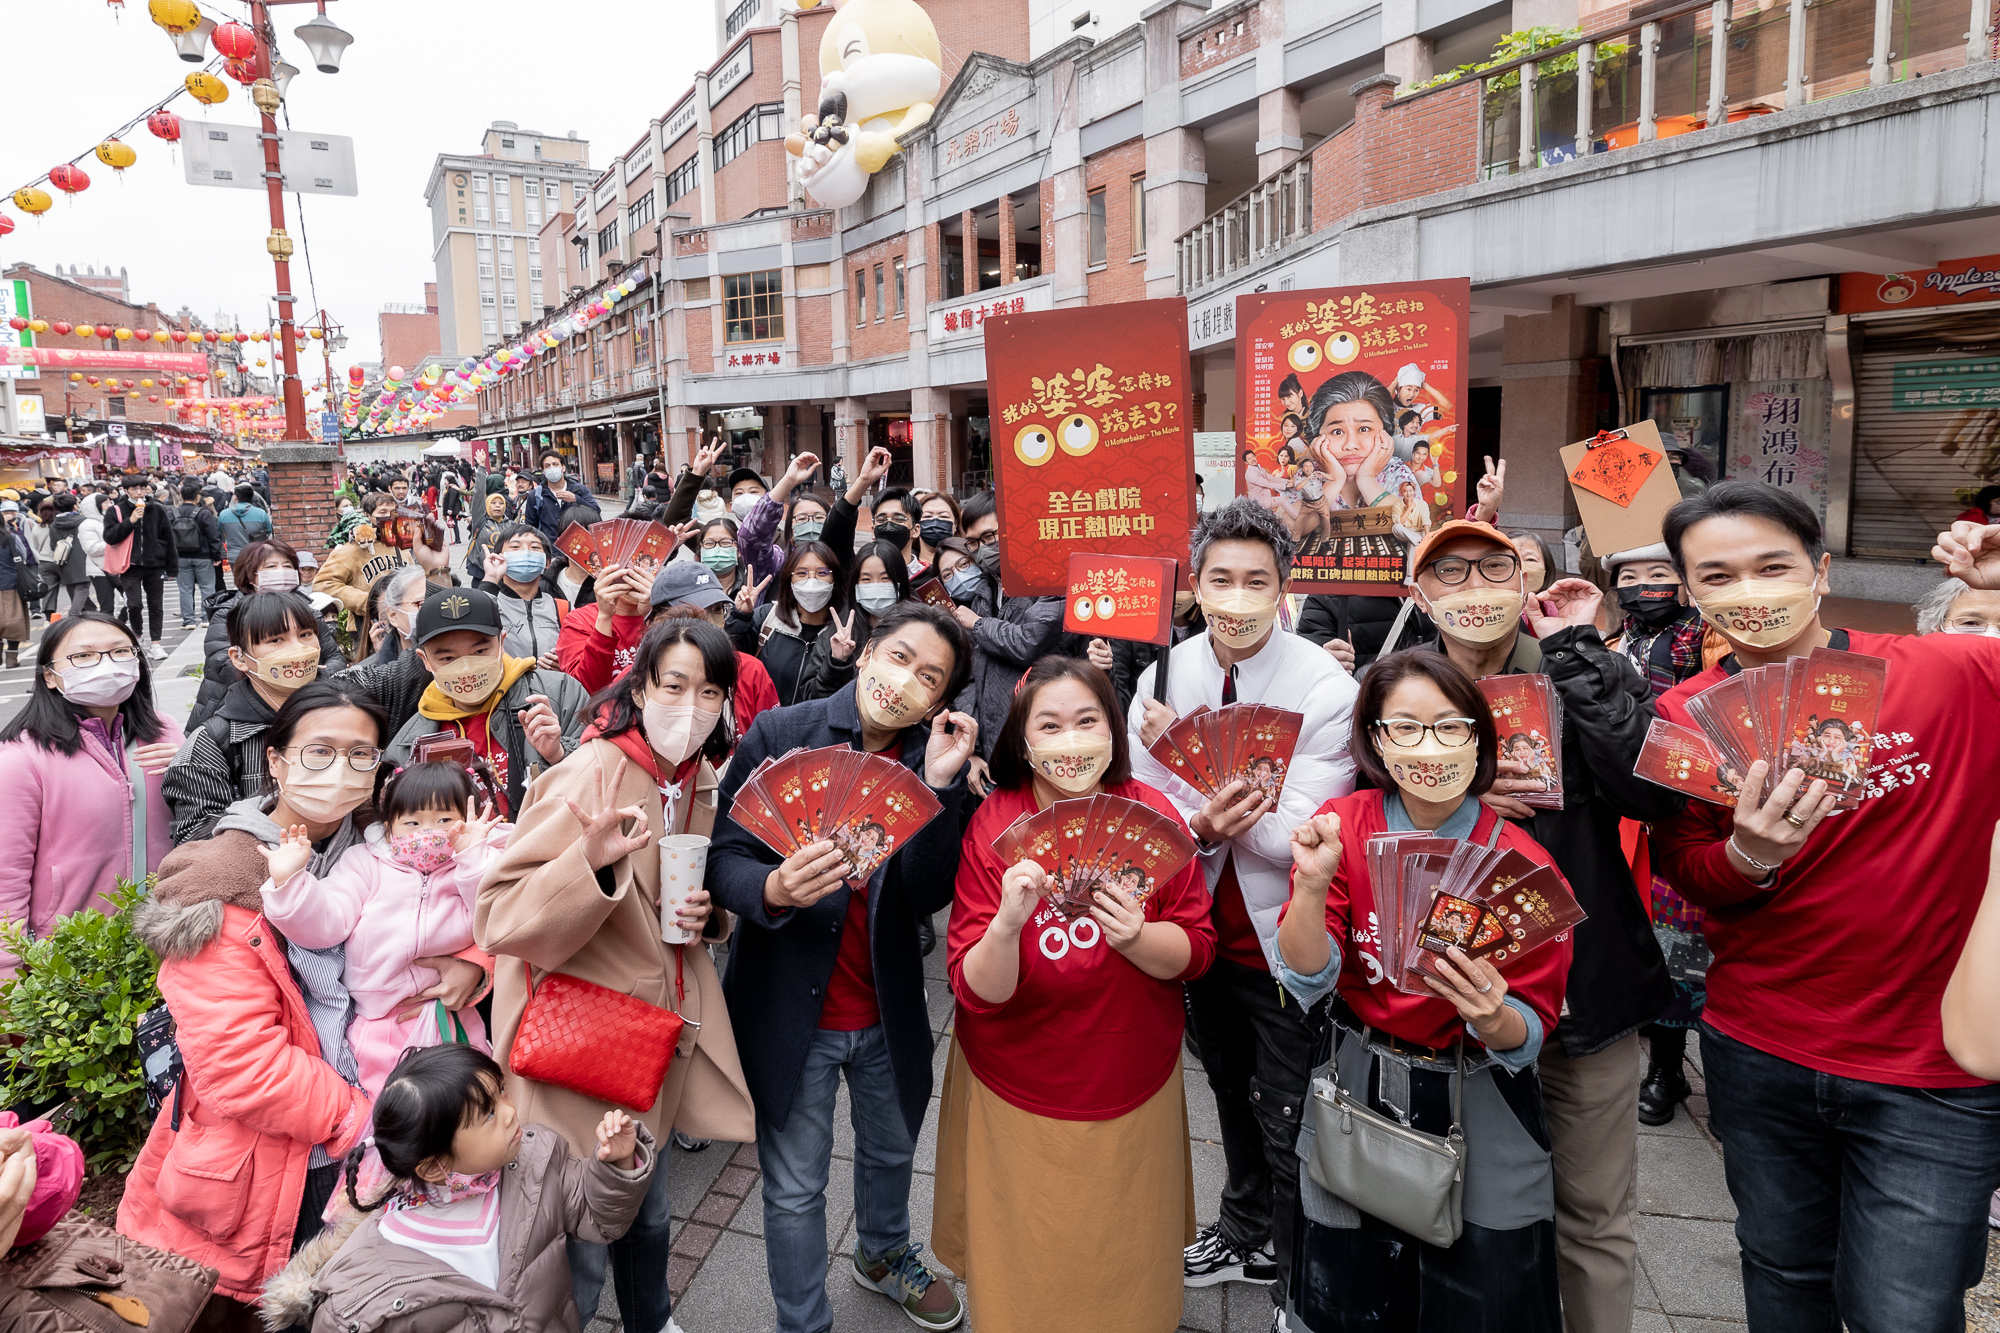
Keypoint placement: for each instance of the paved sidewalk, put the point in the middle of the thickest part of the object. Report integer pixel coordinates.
(1688, 1283)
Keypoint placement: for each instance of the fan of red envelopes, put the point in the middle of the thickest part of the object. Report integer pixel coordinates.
(1434, 893)
(1211, 748)
(863, 804)
(617, 542)
(1097, 842)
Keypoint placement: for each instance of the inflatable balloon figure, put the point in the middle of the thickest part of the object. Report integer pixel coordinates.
(880, 72)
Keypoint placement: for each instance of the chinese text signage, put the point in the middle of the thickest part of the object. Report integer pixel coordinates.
(1121, 597)
(1779, 439)
(1091, 440)
(1350, 403)
(1926, 386)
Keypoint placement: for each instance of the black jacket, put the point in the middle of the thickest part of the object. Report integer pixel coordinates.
(1363, 622)
(209, 526)
(152, 535)
(397, 684)
(217, 675)
(785, 652)
(1618, 977)
(779, 966)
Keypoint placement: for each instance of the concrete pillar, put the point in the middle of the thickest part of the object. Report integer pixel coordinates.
(968, 223)
(930, 439)
(1176, 157)
(1548, 395)
(1006, 239)
(850, 424)
(1410, 59)
(682, 437)
(626, 454)
(1278, 140)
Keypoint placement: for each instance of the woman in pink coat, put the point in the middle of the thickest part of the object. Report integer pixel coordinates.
(80, 766)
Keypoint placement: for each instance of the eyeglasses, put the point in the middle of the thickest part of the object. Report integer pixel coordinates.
(118, 655)
(718, 546)
(1452, 570)
(1408, 733)
(976, 542)
(319, 758)
(1973, 627)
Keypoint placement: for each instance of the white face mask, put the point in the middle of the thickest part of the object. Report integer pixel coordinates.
(552, 475)
(327, 796)
(676, 731)
(812, 594)
(744, 503)
(282, 579)
(102, 685)
(875, 598)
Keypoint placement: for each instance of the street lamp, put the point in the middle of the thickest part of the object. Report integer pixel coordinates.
(324, 40)
(281, 74)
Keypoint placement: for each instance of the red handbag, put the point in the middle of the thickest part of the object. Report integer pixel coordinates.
(602, 1043)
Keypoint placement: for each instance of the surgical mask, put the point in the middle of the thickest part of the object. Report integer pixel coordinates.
(553, 475)
(934, 530)
(467, 680)
(102, 685)
(288, 670)
(282, 579)
(894, 533)
(1761, 613)
(525, 565)
(719, 558)
(676, 731)
(889, 695)
(875, 598)
(987, 558)
(741, 505)
(1431, 771)
(812, 594)
(327, 796)
(807, 529)
(426, 851)
(1237, 617)
(1479, 615)
(1653, 605)
(1073, 761)
(963, 583)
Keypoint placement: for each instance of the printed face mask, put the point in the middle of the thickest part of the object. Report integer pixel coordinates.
(426, 851)
(100, 686)
(812, 594)
(1761, 613)
(676, 731)
(889, 695)
(467, 680)
(1653, 605)
(875, 598)
(1073, 761)
(1478, 615)
(325, 797)
(1430, 771)
(1237, 617)
(288, 670)
(282, 579)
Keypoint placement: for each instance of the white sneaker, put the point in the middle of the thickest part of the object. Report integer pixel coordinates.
(1278, 1322)
(157, 653)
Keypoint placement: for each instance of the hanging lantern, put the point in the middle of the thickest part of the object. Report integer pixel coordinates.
(159, 335)
(219, 372)
(17, 323)
(131, 384)
(114, 154)
(61, 326)
(6, 224)
(122, 335)
(176, 16)
(179, 335)
(165, 125)
(208, 336)
(92, 379)
(76, 377)
(145, 384)
(142, 335)
(38, 325)
(69, 178)
(206, 88)
(152, 398)
(234, 41)
(243, 71)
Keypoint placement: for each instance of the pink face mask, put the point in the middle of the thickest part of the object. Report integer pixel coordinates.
(426, 851)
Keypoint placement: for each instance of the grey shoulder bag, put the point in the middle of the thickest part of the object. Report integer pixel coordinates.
(1412, 1180)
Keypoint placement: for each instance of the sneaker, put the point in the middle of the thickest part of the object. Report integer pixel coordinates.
(157, 653)
(925, 1297)
(189, 624)
(1213, 1258)
(686, 1144)
(1279, 1324)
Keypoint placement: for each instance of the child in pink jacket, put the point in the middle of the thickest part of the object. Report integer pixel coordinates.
(402, 895)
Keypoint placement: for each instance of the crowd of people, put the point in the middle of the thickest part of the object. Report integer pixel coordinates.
(442, 1001)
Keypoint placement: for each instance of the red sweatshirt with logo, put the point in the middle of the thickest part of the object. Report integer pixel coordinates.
(1840, 964)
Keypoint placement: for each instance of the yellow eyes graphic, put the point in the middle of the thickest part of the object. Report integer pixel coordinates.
(1077, 434)
(1304, 356)
(1342, 348)
(1034, 445)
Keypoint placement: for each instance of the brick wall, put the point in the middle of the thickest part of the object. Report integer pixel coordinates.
(815, 333)
(1123, 276)
(751, 180)
(890, 335)
(1221, 41)
(59, 300)
(303, 481)
(1396, 150)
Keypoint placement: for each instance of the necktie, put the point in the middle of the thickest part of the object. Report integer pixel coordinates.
(1229, 687)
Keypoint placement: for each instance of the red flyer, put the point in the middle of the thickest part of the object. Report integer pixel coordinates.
(1832, 713)
(1535, 909)
(1527, 714)
(1264, 748)
(1687, 761)
(1121, 597)
(1185, 737)
(577, 543)
(903, 806)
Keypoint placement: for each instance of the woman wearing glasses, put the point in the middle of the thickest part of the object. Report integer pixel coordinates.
(1424, 739)
(241, 1163)
(80, 765)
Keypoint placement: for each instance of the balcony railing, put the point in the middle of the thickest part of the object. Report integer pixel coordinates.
(1261, 221)
(1707, 62)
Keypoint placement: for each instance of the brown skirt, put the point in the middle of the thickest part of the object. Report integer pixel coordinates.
(13, 617)
(1063, 1223)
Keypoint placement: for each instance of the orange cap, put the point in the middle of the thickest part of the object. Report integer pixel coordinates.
(1461, 527)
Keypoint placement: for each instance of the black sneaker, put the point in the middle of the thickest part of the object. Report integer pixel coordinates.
(1213, 1258)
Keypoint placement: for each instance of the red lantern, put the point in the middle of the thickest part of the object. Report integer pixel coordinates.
(234, 41)
(61, 326)
(243, 71)
(17, 323)
(209, 336)
(152, 398)
(131, 384)
(6, 224)
(69, 178)
(165, 125)
(90, 379)
(179, 335)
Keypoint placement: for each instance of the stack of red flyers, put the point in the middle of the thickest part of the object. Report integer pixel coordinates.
(1815, 713)
(1097, 842)
(1211, 748)
(617, 542)
(1433, 893)
(1527, 714)
(865, 805)
(1687, 761)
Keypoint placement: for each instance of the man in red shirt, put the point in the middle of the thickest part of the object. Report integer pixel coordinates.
(597, 642)
(1859, 1155)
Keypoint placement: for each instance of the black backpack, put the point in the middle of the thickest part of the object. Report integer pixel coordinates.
(187, 530)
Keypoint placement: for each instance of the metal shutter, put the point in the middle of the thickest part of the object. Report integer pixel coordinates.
(1913, 469)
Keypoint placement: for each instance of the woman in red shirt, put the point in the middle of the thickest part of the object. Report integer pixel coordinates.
(1064, 1183)
(1424, 740)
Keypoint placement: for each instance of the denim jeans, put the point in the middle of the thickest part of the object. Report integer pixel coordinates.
(196, 573)
(796, 1159)
(1858, 1202)
(638, 1263)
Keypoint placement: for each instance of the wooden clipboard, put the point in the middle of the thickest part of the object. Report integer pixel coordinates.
(1612, 527)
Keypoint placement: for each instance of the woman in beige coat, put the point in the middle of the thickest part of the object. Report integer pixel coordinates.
(578, 892)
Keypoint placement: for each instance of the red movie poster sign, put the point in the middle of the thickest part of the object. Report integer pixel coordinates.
(81, 358)
(1092, 448)
(1120, 597)
(1351, 404)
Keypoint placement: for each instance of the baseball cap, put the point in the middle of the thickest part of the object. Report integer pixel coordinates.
(9, 507)
(1461, 527)
(687, 581)
(742, 474)
(450, 609)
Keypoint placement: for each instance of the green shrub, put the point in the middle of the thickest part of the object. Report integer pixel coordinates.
(74, 1007)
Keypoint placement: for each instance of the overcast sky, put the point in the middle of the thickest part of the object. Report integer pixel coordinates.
(418, 80)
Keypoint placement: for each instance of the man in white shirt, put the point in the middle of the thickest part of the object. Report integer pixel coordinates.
(1256, 1051)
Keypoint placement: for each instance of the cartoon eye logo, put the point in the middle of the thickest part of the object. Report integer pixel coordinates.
(1077, 434)
(1034, 445)
(1304, 355)
(1342, 348)
(1083, 607)
(1105, 607)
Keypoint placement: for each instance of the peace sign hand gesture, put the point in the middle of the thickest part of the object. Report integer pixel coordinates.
(603, 843)
(705, 456)
(471, 832)
(748, 593)
(842, 644)
(1491, 488)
